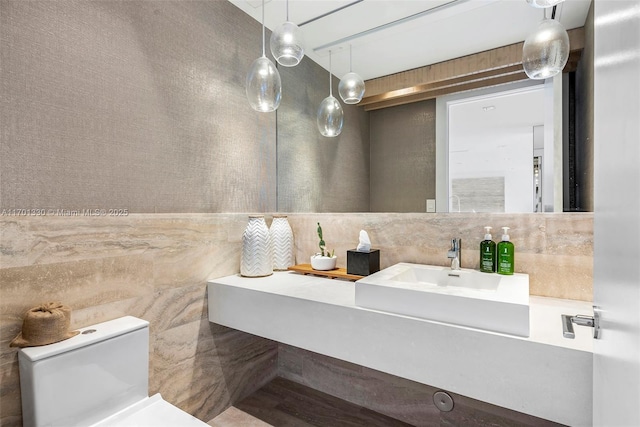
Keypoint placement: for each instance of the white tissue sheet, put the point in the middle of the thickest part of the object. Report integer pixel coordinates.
(364, 244)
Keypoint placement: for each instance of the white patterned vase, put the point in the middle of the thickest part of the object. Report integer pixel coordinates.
(257, 249)
(282, 237)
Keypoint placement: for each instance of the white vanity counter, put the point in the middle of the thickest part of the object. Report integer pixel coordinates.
(544, 375)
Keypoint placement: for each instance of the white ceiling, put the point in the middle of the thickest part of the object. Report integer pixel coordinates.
(450, 30)
(483, 118)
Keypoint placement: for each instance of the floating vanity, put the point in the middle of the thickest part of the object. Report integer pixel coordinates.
(544, 374)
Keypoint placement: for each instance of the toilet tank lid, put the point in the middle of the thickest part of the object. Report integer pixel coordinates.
(87, 336)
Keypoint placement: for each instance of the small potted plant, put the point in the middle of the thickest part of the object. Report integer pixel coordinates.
(323, 260)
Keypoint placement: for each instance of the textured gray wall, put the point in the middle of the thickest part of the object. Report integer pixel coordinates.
(132, 104)
(315, 173)
(141, 105)
(403, 152)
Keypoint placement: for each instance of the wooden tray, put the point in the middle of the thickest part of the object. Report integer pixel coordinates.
(337, 273)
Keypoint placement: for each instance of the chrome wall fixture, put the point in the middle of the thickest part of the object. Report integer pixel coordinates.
(287, 43)
(330, 114)
(351, 87)
(263, 85)
(546, 50)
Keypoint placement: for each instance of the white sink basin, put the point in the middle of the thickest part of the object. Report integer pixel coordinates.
(463, 297)
(439, 276)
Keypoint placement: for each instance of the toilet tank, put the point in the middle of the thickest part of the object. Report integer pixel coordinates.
(84, 379)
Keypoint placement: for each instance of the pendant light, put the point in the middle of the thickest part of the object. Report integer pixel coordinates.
(263, 85)
(287, 43)
(330, 114)
(351, 87)
(546, 50)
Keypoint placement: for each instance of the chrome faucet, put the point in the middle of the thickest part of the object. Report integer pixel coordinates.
(454, 253)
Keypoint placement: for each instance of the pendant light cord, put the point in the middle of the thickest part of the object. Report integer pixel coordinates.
(263, 53)
(287, 10)
(330, 89)
(350, 61)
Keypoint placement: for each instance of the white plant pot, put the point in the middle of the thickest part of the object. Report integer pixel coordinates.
(323, 263)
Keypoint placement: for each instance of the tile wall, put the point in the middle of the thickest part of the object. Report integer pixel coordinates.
(556, 250)
(155, 266)
(151, 266)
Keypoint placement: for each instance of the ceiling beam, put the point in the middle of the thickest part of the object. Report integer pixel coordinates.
(488, 68)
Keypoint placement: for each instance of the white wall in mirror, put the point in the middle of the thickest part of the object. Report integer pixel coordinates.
(485, 149)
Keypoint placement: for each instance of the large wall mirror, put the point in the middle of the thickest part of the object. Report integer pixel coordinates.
(497, 149)
(432, 155)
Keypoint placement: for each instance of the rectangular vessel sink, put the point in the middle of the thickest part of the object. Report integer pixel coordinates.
(463, 297)
(446, 277)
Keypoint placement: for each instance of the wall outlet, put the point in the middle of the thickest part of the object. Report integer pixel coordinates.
(431, 205)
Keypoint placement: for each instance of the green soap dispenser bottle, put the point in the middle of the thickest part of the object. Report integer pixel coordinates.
(487, 253)
(506, 254)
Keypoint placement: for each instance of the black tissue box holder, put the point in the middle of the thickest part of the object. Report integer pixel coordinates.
(363, 263)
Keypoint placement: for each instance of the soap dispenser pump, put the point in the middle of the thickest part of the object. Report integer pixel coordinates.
(506, 254)
(487, 253)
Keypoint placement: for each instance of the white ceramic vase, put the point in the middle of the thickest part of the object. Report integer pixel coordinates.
(257, 249)
(282, 238)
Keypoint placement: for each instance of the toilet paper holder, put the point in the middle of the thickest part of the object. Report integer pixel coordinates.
(581, 320)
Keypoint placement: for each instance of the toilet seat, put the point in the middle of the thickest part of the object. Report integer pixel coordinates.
(153, 411)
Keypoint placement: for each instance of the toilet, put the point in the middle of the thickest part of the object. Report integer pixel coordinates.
(99, 377)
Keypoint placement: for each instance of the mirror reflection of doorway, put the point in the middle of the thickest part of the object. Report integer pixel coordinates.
(496, 148)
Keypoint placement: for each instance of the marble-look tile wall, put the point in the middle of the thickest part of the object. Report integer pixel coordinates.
(151, 266)
(155, 266)
(393, 396)
(556, 250)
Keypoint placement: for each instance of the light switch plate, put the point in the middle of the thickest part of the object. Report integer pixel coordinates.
(431, 205)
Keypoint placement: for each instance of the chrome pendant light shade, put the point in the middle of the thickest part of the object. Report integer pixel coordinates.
(330, 114)
(263, 85)
(545, 51)
(351, 86)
